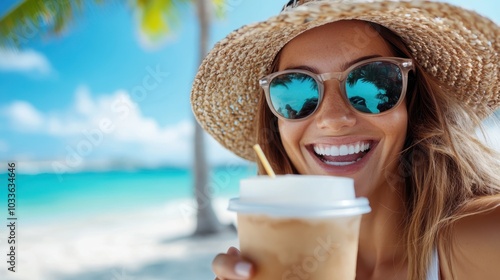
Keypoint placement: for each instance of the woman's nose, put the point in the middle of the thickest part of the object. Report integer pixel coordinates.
(333, 112)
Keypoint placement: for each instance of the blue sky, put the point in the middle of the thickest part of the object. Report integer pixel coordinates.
(98, 94)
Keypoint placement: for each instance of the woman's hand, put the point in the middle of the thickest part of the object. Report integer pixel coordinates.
(231, 266)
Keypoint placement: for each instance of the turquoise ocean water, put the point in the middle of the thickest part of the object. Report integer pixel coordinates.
(52, 197)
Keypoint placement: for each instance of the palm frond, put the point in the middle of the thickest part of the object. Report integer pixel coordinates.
(157, 18)
(32, 18)
(220, 7)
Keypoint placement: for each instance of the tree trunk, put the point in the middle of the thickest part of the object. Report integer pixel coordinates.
(206, 220)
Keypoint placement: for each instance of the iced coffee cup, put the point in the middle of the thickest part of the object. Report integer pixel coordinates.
(296, 227)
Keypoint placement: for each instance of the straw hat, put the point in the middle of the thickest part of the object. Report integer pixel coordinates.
(459, 47)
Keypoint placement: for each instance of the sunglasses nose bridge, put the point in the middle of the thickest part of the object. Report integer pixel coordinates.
(331, 76)
(333, 99)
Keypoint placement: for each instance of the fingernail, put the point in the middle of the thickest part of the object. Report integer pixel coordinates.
(243, 269)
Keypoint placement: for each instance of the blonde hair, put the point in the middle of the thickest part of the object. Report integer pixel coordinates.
(447, 172)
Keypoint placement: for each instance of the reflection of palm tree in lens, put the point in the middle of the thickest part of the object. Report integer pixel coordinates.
(308, 107)
(385, 76)
(386, 102)
(291, 113)
(287, 79)
(280, 111)
(393, 89)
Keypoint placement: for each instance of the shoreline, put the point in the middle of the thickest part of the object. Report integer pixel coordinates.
(150, 243)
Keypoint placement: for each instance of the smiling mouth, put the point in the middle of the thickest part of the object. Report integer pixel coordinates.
(342, 155)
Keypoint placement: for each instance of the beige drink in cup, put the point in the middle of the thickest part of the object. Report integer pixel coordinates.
(296, 227)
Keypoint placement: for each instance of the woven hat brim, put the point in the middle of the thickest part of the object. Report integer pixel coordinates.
(458, 46)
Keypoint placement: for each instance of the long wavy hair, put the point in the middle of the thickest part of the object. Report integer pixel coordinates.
(446, 171)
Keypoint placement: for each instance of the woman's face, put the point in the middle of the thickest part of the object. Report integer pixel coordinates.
(333, 48)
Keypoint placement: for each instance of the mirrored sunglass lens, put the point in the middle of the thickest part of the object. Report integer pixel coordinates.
(294, 95)
(375, 87)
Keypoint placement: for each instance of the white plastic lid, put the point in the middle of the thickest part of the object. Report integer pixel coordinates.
(299, 196)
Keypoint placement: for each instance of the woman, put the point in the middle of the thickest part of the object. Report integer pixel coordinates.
(387, 93)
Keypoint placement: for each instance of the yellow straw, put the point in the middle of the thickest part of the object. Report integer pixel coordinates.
(264, 160)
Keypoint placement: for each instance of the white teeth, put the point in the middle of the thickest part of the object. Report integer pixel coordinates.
(334, 151)
(342, 150)
(341, 163)
(351, 149)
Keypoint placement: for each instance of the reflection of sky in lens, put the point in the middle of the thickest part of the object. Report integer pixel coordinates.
(295, 93)
(367, 91)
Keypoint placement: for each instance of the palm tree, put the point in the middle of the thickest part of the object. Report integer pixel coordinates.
(206, 222)
(33, 17)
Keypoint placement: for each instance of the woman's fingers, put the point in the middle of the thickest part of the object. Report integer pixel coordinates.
(233, 251)
(231, 266)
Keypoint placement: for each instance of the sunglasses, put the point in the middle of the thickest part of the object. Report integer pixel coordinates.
(373, 86)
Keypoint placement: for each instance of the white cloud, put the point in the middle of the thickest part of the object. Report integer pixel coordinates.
(24, 116)
(26, 61)
(113, 127)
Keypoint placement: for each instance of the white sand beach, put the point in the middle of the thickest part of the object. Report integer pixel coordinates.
(149, 244)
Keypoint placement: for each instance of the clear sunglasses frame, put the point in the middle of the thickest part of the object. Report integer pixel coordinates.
(405, 65)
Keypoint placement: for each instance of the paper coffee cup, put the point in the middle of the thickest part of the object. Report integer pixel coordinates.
(299, 226)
